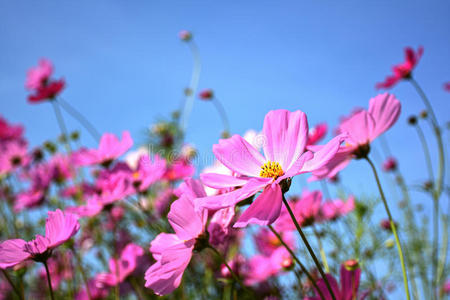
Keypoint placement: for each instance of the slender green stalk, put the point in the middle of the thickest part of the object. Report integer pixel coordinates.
(426, 152)
(393, 227)
(224, 261)
(81, 270)
(62, 125)
(322, 251)
(80, 118)
(190, 93)
(308, 246)
(437, 189)
(16, 290)
(49, 280)
(222, 113)
(304, 270)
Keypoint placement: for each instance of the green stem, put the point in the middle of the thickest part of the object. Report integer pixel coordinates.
(16, 290)
(62, 125)
(322, 251)
(426, 152)
(223, 260)
(49, 280)
(222, 113)
(190, 93)
(81, 270)
(304, 270)
(393, 227)
(80, 118)
(308, 246)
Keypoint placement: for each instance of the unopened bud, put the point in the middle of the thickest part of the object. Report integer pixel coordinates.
(423, 114)
(412, 120)
(206, 94)
(185, 35)
(351, 264)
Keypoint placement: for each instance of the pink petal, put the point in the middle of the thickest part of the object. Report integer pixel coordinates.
(359, 127)
(186, 222)
(12, 253)
(336, 164)
(60, 227)
(324, 155)
(385, 110)
(334, 287)
(239, 156)
(349, 282)
(287, 134)
(253, 186)
(221, 181)
(264, 210)
(161, 242)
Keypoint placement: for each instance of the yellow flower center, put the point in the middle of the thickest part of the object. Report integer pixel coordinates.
(271, 169)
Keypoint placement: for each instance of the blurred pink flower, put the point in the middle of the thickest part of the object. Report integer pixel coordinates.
(97, 290)
(206, 94)
(9, 132)
(390, 164)
(148, 172)
(286, 137)
(59, 228)
(267, 243)
(348, 289)
(115, 184)
(31, 198)
(334, 209)
(261, 267)
(121, 268)
(93, 207)
(13, 154)
(60, 267)
(403, 70)
(180, 168)
(317, 133)
(38, 80)
(108, 150)
(447, 86)
(362, 128)
(219, 226)
(174, 251)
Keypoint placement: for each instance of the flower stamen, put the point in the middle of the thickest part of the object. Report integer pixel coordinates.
(271, 169)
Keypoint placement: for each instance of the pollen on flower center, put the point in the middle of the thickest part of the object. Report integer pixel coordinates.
(271, 169)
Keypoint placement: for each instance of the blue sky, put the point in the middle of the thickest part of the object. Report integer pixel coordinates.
(125, 66)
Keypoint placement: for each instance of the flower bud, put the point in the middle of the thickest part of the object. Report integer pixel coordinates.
(185, 35)
(351, 264)
(389, 243)
(423, 114)
(206, 94)
(390, 164)
(412, 120)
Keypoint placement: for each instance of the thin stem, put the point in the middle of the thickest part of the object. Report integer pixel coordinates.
(393, 227)
(190, 94)
(322, 251)
(79, 116)
(49, 280)
(426, 152)
(304, 270)
(222, 113)
(308, 246)
(83, 274)
(223, 260)
(16, 290)
(437, 132)
(62, 126)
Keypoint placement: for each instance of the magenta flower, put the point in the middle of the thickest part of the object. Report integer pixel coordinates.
(447, 86)
(148, 172)
(362, 128)
(262, 267)
(349, 285)
(317, 133)
(219, 226)
(403, 70)
(180, 168)
(9, 132)
(173, 252)
(28, 199)
(59, 228)
(286, 136)
(390, 164)
(121, 268)
(267, 243)
(93, 207)
(38, 80)
(60, 267)
(97, 290)
(108, 150)
(115, 184)
(334, 209)
(13, 154)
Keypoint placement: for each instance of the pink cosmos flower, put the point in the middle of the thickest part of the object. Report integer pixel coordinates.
(390, 164)
(31, 198)
(219, 226)
(362, 128)
(174, 251)
(47, 92)
(180, 168)
(267, 243)
(93, 207)
(97, 290)
(317, 133)
(120, 269)
(9, 132)
(348, 289)
(261, 267)
(115, 184)
(334, 209)
(306, 210)
(403, 70)
(60, 168)
(109, 149)
(147, 172)
(446, 287)
(59, 228)
(447, 86)
(13, 154)
(286, 136)
(38, 76)
(206, 94)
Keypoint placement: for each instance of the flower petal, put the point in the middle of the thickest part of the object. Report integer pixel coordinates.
(221, 181)
(385, 110)
(12, 252)
(324, 155)
(186, 222)
(264, 210)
